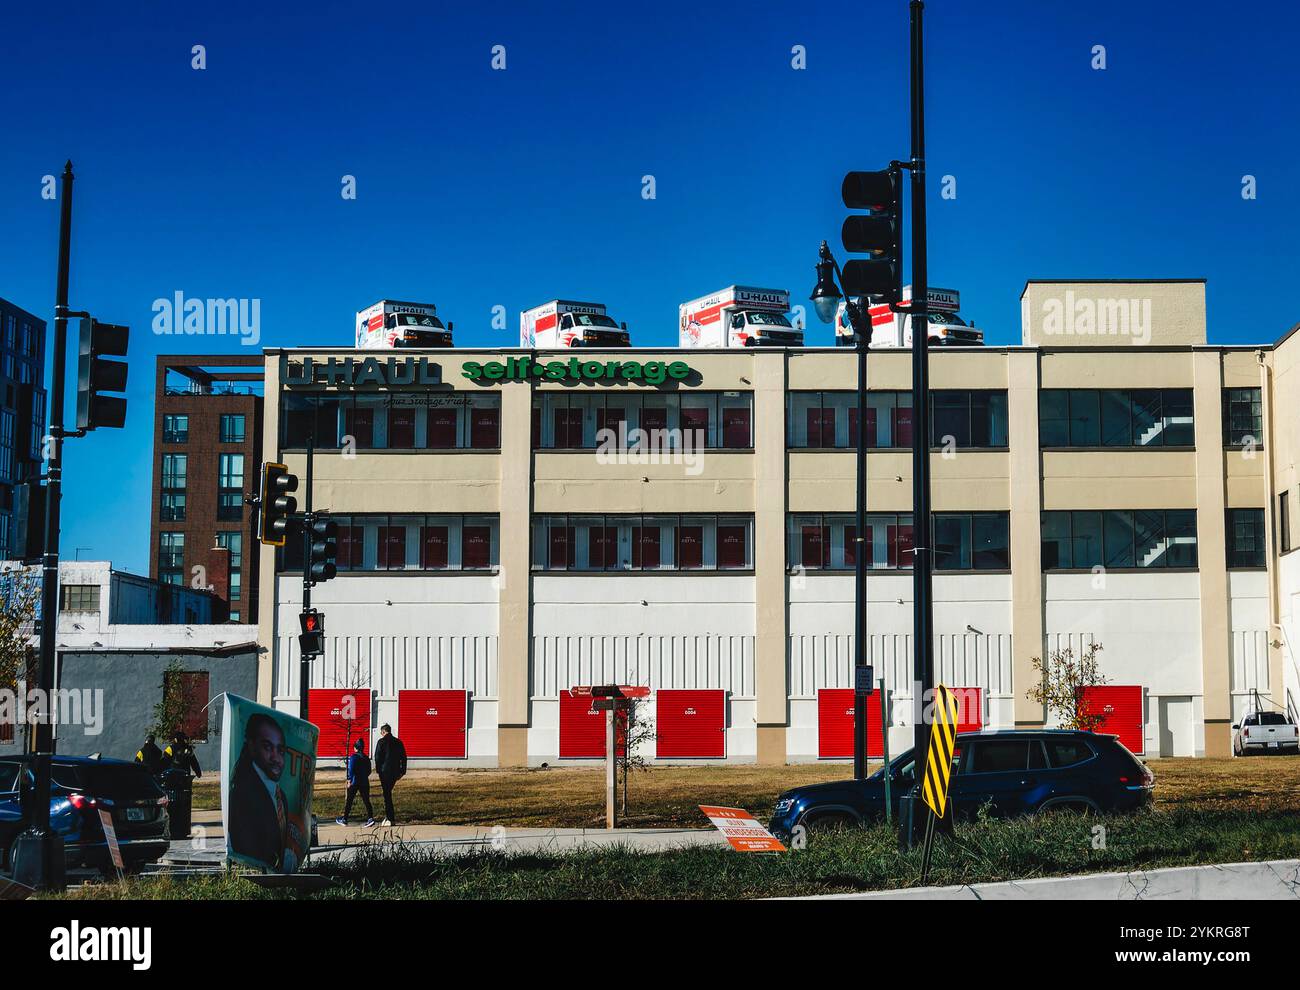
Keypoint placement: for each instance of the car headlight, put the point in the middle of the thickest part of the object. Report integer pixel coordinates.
(784, 805)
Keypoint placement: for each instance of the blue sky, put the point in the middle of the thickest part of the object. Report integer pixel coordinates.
(479, 188)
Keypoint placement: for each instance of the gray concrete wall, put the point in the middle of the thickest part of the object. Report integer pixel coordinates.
(132, 683)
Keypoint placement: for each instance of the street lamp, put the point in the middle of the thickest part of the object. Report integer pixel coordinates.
(826, 298)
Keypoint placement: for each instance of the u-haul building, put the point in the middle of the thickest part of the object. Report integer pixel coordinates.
(516, 523)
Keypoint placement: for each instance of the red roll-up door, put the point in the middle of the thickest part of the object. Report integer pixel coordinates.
(970, 709)
(582, 731)
(342, 715)
(691, 724)
(434, 724)
(835, 724)
(1120, 707)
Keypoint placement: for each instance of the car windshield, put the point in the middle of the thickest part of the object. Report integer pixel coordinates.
(419, 320)
(769, 319)
(593, 320)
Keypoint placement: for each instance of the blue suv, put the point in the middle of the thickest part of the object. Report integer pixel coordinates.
(1017, 772)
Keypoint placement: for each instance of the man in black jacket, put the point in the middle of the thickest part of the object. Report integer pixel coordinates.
(390, 764)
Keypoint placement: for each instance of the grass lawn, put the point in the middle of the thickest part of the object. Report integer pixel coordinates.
(668, 796)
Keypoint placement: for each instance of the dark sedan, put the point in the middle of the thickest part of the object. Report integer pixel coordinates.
(1011, 773)
(80, 788)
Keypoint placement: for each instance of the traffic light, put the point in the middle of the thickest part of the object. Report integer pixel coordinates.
(311, 642)
(96, 374)
(276, 505)
(324, 548)
(879, 234)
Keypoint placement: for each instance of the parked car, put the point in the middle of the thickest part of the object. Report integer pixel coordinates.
(80, 786)
(1265, 732)
(1015, 772)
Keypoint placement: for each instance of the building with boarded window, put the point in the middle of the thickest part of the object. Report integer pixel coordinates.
(514, 524)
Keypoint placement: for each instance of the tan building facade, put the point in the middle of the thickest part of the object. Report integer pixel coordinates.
(515, 523)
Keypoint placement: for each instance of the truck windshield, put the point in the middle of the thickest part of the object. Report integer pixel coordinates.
(948, 319)
(769, 319)
(419, 320)
(592, 320)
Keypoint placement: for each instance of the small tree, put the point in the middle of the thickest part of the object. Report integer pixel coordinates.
(1061, 680)
(172, 713)
(20, 594)
(636, 733)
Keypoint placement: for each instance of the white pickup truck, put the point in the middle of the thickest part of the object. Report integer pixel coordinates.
(1265, 732)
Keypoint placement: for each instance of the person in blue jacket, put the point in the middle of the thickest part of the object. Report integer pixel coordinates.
(358, 784)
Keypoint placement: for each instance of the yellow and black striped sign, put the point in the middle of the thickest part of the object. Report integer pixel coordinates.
(938, 764)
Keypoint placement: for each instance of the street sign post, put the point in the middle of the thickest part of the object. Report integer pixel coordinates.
(610, 699)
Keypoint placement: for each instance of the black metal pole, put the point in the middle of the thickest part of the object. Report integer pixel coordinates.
(45, 870)
(304, 664)
(922, 557)
(860, 567)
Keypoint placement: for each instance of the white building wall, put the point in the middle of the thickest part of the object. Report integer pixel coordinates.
(972, 622)
(1149, 627)
(659, 631)
(391, 633)
(1248, 618)
(1288, 630)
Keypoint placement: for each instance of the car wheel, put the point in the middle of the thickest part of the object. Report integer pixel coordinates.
(1069, 806)
(829, 821)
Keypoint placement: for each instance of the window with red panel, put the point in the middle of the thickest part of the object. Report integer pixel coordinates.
(695, 427)
(568, 428)
(612, 419)
(561, 549)
(442, 428)
(433, 548)
(602, 547)
(872, 436)
(816, 546)
(690, 547)
(735, 427)
(360, 425)
(351, 542)
(731, 547)
(401, 428)
(392, 547)
(654, 420)
(645, 547)
(821, 427)
(899, 539)
(484, 427)
(902, 426)
(475, 546)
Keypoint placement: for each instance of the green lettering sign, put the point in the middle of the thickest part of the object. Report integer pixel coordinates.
(522, 369)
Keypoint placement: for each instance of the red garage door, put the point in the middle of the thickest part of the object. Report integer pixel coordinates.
(1120, 708)
(433, 724)
(342, 715)
(691, 724)
(970, 709)
(582, 731)
(835, 724)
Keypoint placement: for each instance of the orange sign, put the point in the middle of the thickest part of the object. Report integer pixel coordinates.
(741, 830)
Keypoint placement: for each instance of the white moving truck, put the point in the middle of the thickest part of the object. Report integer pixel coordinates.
(738, 316)
(890, 329)
(389, 324)
(564, 323)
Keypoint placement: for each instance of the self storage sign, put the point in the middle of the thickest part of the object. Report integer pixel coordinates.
(741, 830)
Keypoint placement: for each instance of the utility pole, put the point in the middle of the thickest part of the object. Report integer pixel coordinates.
(923, 551)
(304, 662)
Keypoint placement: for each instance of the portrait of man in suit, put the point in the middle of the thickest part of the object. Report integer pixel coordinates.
(262, 826)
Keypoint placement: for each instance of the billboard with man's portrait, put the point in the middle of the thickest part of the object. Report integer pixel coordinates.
(268, 760)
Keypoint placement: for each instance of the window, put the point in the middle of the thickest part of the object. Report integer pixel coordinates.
(1067, 752)
(642, 543)
(233, 540)
(185, 694)
(1243, 417)
(1119, 539)
(173, 471)
(392, 421)
(176, 429)
(962, 541)
(408, 542)
(1284, 520)
(1246, 544)
(79, 598)
(171, 557)
(232, 428)
(171, 507)
(7, 445)
(634, 420)
(1116, 417)
(969, 418)
(829, 420)
(1001, 756)
(230, 487)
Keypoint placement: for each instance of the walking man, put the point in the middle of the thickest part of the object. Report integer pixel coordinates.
(358, 784)
(390, 764)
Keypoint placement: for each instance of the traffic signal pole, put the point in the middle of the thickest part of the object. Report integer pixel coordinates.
(304, 664)
(922, 528)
